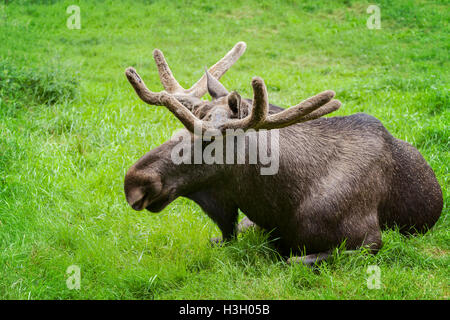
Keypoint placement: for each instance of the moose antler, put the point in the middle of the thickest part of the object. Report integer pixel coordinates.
(312, 108)
(199, 89)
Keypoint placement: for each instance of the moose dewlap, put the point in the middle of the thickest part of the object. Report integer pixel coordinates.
(337, 179)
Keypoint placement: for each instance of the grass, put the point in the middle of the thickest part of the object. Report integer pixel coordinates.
(71, 125)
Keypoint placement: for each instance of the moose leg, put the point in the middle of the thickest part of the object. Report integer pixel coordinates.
(223, 213)
(310, 259)
(228, 228)
(226, 220)
(366, 233)
(316, 258)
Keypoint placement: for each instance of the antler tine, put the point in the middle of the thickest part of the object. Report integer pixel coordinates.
(199, 89)
(258, 113)
(139, 86)
(302, 111)
(163, 99)
(168, 81)
(327, 108)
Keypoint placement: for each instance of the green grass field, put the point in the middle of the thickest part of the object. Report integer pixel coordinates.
(71, 126)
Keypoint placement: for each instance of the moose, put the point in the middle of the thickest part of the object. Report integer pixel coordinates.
(340, 179)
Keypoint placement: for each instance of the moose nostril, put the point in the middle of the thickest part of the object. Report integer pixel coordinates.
(135, 198)
(138, 205)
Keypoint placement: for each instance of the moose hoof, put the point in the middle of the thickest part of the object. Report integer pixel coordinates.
(309, 260)
(216, 242)
(245, 224)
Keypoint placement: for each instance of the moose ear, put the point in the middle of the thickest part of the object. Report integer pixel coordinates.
(234, 101)
(215, 88)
